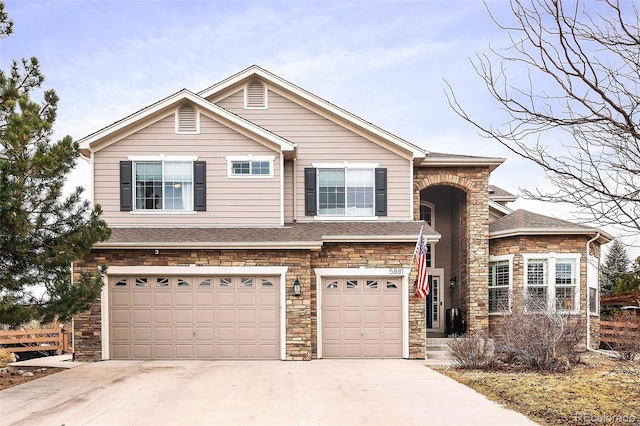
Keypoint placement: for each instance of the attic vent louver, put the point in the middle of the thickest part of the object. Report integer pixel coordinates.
(187, 119)
(255, 95)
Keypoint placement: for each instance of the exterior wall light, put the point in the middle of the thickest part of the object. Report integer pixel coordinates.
(452, 281)
(296, 286)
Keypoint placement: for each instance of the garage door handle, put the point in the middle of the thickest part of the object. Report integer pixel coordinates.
(361, 332)
(194, 334)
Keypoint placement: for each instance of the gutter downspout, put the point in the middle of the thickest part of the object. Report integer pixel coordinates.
(587, 298)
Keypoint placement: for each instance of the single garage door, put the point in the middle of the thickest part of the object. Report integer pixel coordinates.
(193, 317)
(361, 318)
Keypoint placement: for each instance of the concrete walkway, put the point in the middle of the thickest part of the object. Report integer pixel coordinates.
(58, 361)
(321, 392)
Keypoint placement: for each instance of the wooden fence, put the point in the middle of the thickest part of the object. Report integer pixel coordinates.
(617, 333)
(53, 339)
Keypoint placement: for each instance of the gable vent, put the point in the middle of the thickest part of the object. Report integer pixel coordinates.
(187, 119)
(255, 95)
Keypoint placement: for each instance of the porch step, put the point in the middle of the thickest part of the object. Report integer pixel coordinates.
(437, 348)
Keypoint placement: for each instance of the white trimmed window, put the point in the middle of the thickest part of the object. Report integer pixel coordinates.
(552, 280)
(500, 283)
(255, 95)
(163, 183)
(346, 191)
(187, 120)
(250, 166)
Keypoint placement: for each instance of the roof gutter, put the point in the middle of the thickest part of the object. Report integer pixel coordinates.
(244, 245)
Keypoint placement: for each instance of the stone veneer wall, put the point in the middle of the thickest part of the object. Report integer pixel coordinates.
(474, 237)
(301, 312)
(519, 245)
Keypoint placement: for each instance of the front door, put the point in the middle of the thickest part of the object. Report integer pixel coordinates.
(435, 302)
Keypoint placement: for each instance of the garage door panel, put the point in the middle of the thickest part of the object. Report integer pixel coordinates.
(141, 299)
(246, 316)
(120, 351)
(186, 317)
(120, 300)
(372, 334)
(268, 316)
(372, 317)
(226, 316)
(184, 333)
(205, 334)
(204, 316)
(184, 351)
(183, 299)
(226, 299)
(392, 316)
(119, 316)
(162, 334)
(141, 351)
(351, 300)
(162, 316)
(226, 334)
(371, 350)
(265, 334)
(267, 351)
(183, 316)
(205, 351)
(163, 351)
(226, 351)
(162, 299)
(204, 299)
(142, 316)
(247, 299)
(142, 334)
(120, 334)
(371, 300)
(352, 317)
(268, 299)
(351, 333)
(247, 351)
(331, 334)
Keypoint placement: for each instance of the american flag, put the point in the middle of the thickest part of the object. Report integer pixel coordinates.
(420, 257)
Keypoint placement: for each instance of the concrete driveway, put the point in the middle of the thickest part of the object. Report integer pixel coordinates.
(321, 392)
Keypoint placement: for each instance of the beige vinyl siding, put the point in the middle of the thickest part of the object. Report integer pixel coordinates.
(321, 140)
(236, 201)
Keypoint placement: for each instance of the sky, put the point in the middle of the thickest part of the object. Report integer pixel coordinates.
(384, 61)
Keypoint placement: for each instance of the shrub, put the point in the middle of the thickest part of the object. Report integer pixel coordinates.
(541, 336)
(471, 351)
(623, 335)
(6, 358)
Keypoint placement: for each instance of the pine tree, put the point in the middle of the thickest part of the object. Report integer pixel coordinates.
(616, 263)
(630, 280)
(41, 231)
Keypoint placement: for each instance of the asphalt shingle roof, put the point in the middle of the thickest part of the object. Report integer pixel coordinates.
(313, 233)
(526, 220)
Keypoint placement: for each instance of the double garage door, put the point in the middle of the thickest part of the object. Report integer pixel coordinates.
(194, 317)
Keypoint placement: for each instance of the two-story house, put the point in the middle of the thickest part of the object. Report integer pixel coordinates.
(255, 220)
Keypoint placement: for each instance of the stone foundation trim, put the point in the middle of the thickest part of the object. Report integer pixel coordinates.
(195, 270)
(365, 272)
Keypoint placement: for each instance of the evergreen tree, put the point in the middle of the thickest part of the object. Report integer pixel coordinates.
(616, 263)
(41, 231)
(630, 280)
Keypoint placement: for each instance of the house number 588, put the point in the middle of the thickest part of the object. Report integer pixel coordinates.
(395, 271)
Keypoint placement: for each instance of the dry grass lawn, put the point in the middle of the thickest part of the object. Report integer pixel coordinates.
(600, 390)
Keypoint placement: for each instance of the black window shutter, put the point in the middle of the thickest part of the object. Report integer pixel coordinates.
(381, 192)
(200, 186)
(126, 190)
(310, 208)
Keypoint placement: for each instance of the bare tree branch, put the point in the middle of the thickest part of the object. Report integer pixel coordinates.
(568, 84)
